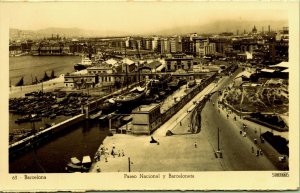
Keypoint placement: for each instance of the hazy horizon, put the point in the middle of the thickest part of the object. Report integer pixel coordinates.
(132, 17)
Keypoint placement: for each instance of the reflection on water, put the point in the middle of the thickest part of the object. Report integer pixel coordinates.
(79, 140)
(30, 67)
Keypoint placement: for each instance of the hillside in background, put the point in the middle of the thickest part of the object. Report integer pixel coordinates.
(214, 28)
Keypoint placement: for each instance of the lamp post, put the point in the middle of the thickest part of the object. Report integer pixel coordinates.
(219, 151)
(129, 164)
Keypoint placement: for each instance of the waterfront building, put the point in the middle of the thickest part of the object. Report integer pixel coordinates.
(179, 61)
(145, 118)
(15, 49)
(128, 65)
(80, 81)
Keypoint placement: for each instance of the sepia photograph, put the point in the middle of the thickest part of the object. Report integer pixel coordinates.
(193, 95)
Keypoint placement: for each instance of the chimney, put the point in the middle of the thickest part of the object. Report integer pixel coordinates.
(269, 28)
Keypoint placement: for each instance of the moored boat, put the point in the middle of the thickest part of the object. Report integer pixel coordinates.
(133, 95)
(75, 165)
(85, 63)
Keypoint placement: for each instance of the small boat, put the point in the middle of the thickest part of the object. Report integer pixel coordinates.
(74, 165)
(86, 163)
(52, 116)
(75, 160)
(23, 119)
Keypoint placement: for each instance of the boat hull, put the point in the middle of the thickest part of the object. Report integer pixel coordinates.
(79, 67)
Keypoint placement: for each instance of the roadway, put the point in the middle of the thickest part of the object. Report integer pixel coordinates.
(237, 154)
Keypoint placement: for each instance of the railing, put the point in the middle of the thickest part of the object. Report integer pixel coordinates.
(178, 105)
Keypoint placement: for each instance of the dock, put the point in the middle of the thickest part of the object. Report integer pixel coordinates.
(41, 136)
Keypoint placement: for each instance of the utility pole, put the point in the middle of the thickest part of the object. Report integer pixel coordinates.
(129, 165)
(109, 122)
(218, 139)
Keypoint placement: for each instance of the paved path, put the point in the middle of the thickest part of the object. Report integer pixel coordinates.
(174, 153)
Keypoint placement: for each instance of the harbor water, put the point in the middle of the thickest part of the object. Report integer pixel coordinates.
(77, 141)
(30, 67)
(52, 157)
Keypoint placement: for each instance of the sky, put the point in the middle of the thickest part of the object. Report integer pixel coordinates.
(133, 16)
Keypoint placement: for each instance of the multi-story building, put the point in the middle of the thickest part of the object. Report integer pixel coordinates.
(187, 45)
(204, 47)
(155, 43)
(175, 44)
(165, 46)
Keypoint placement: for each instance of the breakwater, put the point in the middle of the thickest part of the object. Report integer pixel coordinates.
(38, 138)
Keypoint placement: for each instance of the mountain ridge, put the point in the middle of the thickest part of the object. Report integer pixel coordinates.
(209, 28)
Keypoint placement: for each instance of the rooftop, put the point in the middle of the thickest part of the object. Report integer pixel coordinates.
(146, 108)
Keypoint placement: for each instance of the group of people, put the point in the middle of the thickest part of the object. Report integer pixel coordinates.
(104, 151)
(258, 152)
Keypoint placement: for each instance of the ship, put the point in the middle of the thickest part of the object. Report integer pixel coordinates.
(85, 63)
(132, 96)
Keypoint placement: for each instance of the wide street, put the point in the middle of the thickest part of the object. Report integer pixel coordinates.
(236, 149)
(186, 151)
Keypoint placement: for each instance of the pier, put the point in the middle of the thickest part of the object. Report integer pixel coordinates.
(41, 136)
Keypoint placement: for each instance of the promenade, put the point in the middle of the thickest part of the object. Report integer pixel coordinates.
(182, 152)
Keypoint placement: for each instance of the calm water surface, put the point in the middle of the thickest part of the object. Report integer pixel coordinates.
(36, 66)
(79, 140)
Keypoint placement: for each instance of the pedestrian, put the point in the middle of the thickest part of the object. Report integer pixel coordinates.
(252, 149)
(157, 142)
(257, 153)
(123, 153)
(261, 152)
(255, 141)
(195, 144)
(180, 123)
(119, 153)
(105, 158)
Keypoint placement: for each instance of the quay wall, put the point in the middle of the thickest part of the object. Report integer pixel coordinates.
(178, 105)
(42, 136)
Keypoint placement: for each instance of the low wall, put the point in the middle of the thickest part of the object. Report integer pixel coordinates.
(266, 124)
(39, 137)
